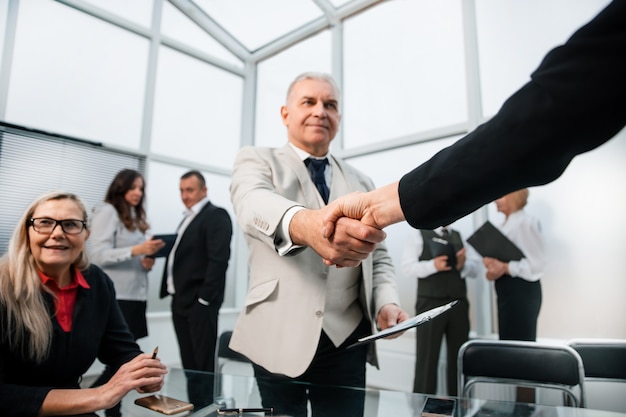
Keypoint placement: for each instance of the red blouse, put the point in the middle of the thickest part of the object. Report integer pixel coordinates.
(65, 299)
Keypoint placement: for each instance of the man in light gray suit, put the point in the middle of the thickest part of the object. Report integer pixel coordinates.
(300, 314)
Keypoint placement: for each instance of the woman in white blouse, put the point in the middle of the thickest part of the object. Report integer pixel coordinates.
(517, 283)
(121, 246)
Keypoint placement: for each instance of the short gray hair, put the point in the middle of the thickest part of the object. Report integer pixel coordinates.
(312, 75)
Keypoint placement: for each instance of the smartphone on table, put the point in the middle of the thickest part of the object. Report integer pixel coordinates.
(439, 407)
(164, 404)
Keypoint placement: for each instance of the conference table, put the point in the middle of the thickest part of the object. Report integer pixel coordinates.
(240, 391)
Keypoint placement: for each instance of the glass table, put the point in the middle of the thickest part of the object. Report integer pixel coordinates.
(240, 391)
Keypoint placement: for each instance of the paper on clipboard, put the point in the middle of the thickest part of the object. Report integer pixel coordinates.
(407, 324)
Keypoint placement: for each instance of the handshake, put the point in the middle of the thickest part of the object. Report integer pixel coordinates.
(348, 229)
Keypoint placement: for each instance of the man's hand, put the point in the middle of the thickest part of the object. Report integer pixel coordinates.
(441, 263)
(351, 242)
(378, 208)
(389, 315)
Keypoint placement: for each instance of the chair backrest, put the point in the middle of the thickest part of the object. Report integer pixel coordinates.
(223, 356)
(603, 359)
(224, 352)
(529, 364)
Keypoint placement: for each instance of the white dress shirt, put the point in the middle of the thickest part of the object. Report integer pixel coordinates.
(525, 232)
(190, 214)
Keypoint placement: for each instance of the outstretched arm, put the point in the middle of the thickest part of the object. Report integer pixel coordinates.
(378, 208)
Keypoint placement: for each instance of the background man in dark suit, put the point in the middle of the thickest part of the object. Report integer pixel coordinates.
(195, 276)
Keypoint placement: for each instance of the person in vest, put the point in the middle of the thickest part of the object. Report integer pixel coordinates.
(438, 260)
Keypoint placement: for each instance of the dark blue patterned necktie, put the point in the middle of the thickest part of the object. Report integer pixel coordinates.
(316, 169)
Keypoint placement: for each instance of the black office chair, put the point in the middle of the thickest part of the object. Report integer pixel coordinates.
(224, 355)
(604, 361)
(524, 364)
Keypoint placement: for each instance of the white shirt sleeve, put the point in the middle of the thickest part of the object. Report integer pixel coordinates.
(410, 265)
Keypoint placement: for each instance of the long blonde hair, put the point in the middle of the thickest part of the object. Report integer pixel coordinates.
(25, 323)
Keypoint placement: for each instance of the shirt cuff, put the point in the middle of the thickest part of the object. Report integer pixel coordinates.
(203, 301)
(284, 244)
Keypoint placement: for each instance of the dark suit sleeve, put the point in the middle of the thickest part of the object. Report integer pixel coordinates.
(218, 233)
(573, 103)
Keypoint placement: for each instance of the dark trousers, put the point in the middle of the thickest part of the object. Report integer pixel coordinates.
(337, 376)
(196, 331)
(454, 324)
(519, 302)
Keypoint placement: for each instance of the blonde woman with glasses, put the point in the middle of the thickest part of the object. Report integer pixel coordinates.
(58, 314)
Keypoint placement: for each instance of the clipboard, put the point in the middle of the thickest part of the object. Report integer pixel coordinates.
(407, 324)
(439, 246)
(489, 241)
(169, 240)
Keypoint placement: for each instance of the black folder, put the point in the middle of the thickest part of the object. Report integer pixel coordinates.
(489, 241)
(439, 246)
(169, 244)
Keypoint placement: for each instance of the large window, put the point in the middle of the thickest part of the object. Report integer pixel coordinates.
(174, 85)
(76, 75)
(32, 163)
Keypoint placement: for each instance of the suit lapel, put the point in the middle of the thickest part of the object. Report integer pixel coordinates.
(190, 229)
(311, 195)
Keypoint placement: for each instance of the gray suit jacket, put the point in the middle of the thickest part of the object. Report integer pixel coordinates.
(281, 321)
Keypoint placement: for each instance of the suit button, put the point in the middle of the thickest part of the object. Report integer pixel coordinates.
(319, 313)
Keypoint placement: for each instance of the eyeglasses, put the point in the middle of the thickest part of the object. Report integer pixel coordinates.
(46, 225)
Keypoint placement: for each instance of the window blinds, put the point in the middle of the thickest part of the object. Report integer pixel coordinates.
(34, 162)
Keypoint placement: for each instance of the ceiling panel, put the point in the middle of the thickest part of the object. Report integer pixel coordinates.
(256, 23)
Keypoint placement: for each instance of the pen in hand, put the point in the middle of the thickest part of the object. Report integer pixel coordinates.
(154, 356)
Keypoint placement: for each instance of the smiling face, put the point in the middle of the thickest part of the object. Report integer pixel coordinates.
(55, 252)
(134, 195)
(312, 115)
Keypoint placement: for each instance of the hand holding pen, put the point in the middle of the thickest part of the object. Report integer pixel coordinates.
(153, 387)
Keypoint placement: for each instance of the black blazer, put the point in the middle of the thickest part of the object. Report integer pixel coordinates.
(98, 331)
(574, 102)
(201, 259)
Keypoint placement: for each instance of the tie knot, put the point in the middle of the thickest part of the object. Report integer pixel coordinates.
(316, 164)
